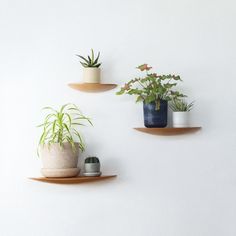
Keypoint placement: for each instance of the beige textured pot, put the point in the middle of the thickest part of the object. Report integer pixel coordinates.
(60, 173)
(91, 75)
(59, 161)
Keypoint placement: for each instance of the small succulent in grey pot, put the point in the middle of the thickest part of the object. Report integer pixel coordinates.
(92, 166)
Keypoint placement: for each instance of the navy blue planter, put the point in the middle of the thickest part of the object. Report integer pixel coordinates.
(155, 118)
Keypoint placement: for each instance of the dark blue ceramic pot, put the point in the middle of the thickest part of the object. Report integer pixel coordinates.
(155, 118)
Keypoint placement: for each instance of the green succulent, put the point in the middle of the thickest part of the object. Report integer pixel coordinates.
(91, 61)
(181, 105)
(61, 126)
(91, 160)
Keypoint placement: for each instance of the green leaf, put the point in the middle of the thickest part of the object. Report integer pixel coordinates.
(122, 91)
(139, 99)
(63, 107)
(74, 109)
(98, 65)
(77, 124)
(83, 58)
(57, 125)
(92, 55)
(97, 58)
(90, 61)
(69, 118)
(150, 99)
(67, 128)
(54, 126)
(48, 108)
(80, 139)
(84, 64)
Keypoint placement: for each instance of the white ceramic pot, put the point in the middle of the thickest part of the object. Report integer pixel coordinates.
(181, 119)
(59, 161)
(91, 75)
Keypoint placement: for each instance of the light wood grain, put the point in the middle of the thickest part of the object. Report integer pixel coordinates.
(73, 180)
(92, 87)
(168, 131)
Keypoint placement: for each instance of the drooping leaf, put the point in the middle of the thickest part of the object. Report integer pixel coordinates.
(57, 127)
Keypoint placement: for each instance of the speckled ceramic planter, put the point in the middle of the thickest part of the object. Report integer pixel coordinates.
(57, 159)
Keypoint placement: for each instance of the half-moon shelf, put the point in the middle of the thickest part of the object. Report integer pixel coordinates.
(92, 87)
(169, 131)
(73, 180)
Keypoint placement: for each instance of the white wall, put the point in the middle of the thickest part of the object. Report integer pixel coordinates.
(167, 186)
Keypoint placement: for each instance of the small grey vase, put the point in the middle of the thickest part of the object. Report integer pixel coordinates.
(92, 166)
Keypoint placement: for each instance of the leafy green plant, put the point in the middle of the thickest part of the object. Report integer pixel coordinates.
(91, 61)
(152, 87)
(181, 105)
(61, 125)
(91, 160)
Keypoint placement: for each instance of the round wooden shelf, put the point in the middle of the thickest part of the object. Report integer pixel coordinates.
(92, 87)
(73, 180)
(168, 131)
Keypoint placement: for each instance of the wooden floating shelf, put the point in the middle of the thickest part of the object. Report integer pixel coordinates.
(92, 87)
(168, 131)
(73, 180)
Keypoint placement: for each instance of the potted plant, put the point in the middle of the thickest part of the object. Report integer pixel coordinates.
(181, 111)
(61, 141)
(92, 166)
(154, 91)
(91, 70)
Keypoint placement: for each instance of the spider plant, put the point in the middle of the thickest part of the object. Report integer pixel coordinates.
(91, 61)
(61, 125)
(181, 105)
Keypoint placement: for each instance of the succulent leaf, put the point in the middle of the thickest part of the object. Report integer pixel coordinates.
(96, 60)
(83, 64)
(98, 65)
(92, 55)
(83, 58)
(90, 62)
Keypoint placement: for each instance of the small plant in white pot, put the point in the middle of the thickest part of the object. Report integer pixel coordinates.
(91, 70)
(61, 141)
(181, 110)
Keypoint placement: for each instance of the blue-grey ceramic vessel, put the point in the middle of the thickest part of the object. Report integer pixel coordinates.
(154, 118)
